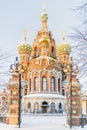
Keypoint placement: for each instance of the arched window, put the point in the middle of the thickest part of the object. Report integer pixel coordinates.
(52, 84)
(58, 85)
(63, 92)
(52, 51)
(36, 52)
(29, 105)
(23, 57)
(25, 92)
(43, 83)
(36, 84)
(60, 106)
(64, 58)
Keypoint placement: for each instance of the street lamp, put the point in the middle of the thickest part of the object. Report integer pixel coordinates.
(18, 68)
(69, 70)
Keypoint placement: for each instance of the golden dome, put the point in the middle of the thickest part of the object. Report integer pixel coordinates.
(63, 48)
(44, 38)
(24, 48)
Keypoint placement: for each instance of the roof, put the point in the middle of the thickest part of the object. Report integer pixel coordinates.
(44, 95)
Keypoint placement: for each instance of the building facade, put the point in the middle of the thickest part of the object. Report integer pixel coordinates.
(44, 64)
(45, 92)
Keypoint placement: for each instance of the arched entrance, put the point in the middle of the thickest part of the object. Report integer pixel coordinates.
(60, 108)
(52, 107)
(45, 107)
(29, 107)
(36, 107)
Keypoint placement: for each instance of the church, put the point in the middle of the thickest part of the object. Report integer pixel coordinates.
(43, 63)
(43, 71)
(49, 80)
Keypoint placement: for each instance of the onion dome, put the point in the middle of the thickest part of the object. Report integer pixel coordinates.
(44, 38)
(44, 16)
(24, 47)
(63, 48)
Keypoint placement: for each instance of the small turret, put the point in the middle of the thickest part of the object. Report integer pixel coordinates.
(24, 50)
(63, 50)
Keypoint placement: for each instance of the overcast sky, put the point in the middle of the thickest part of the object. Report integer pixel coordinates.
(18, 15)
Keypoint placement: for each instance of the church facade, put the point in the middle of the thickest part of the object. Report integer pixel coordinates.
(49, 81)
(43, 71)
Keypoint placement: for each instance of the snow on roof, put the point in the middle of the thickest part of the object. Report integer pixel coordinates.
(44, 95)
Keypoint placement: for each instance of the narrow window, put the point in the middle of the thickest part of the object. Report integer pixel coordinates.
(52, 51)
(44, 83)
(58, 85)
(36, 84)
(36, 52)
(63, 92)
(30, 84)
(52, 84)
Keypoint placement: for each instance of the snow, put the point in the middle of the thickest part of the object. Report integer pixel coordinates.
(44, 96)
(41, 122)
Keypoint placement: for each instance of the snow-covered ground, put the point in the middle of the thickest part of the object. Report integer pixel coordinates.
(40, 122)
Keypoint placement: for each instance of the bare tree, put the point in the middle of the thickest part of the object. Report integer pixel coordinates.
(5, 60)
(79, 45)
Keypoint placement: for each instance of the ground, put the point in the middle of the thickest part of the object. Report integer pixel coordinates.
(41, 122)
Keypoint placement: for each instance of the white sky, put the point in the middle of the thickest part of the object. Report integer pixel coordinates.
(17, 15)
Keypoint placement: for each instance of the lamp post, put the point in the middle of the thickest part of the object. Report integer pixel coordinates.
(70, 93)
(69, 70)
(15, 68)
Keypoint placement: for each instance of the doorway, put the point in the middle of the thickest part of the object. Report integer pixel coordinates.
(45, 107)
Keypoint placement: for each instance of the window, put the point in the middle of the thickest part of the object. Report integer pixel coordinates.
(36, 84)
(63, 92)
(30, 84)
(13, 92)
(60, 108)
(23, 57)
(74, 112)
(52, 84)
(73, 102)
(13, 101)
(64, 58)
(73, 93)
(44, 83)
(58, 85)
(60, 105)
(29, 105)
(25, 92)
(52, 107)
(36, 52)
(52, 51)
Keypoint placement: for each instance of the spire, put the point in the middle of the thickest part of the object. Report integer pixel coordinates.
(44, 18)
(25, 33)
(63, 36)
